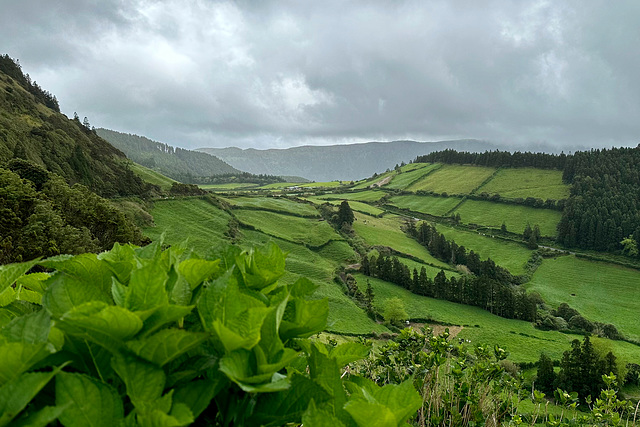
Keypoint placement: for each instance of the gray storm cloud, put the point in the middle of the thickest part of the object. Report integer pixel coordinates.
(275, 74)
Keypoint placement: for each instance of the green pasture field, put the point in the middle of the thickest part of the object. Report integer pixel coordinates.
(527, 182)
(194, 219)
(370, 181)
(411, 173)
(151, 176)
(229, 186)
(360, 196)
(319, 266)
(454, 179)
(601, 292)
(386, 232)
(493, 329)
(312, 232)
(515, 217)
(275, 204)
(431, 205)
(510, 255)
(355, 206)
(330, 184)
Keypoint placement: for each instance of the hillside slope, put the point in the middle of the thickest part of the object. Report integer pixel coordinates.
(31, 128)
(174, 162)
(343, 162)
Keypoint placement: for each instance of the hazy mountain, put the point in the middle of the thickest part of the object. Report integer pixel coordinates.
(174, 162)
(344, 162)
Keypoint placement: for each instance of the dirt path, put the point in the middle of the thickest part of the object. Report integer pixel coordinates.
(381, 182)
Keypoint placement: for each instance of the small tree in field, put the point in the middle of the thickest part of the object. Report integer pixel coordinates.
(345, 214)
(394, 311)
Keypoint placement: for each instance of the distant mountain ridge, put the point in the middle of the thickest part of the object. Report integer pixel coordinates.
(332, 162)
(174, 162)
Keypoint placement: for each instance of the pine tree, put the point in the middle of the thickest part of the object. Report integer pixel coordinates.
(546, 375)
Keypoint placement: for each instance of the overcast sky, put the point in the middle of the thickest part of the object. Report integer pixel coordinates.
(204, 73)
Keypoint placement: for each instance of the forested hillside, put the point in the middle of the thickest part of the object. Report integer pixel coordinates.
(31, 130)
(53, 172)
(174, 162)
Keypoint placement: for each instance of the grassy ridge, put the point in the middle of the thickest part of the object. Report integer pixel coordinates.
(603, 292)
(454, 179)
(515, 217)
(410, 173)
(527, 182)
(151, 176)
(228, 186)
(294, 229)
(361, 196)
(512, 256)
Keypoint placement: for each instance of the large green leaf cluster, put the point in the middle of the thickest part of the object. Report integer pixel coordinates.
(145, 336)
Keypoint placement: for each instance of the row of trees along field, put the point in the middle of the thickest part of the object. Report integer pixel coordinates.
(604, 206)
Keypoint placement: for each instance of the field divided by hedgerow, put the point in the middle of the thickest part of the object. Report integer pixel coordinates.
(387, 232)
(409, 174)
(355, 206)
(194, 219)
(307, 231)
(431, 205)
(527, 182)
(361, 196)
(601, 292)
(454, 179)
(510, 255)
(515, 217)
(275, 204)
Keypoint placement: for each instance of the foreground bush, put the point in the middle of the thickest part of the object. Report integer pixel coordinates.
(152, 337)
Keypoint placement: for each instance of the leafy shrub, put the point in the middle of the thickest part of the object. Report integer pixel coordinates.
(145, 336)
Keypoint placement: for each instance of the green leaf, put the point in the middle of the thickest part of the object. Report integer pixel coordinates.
(65, 292)
(237, 367)
(11, 272)
(165, 345)
(33, 281)
(303, 287)
(118, 292)
(163, 315)
(89, 402)
(147, 288)
(121, 259)
(180, 415)
(143, 380)
(402, 399)
(349, 352)
(314, 417)
(18, 357)
(197, 394)
(15, 395)
(32, 328)
(262, 267)
(181, 292)
(196, 271)
(326, 372)
(233, 316)
(8, 296)
(304, 318)
(152, 250)
(367, 414)
(85, 267)
(288, 406)
(103, 324)
(41, 418)
(29, 296)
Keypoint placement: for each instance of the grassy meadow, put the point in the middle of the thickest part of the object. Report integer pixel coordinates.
(151, 176)
(411, 173)
(527, 182)
(454, 179)
(360, 196)
(515, 217)
(431, 205)
(277, 204)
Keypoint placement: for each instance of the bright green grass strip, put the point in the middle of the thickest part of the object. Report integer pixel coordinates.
(402, 180)
(386, 232)
(361, 196)
(151, 176)
(454, 179)
(330, 184)
(199, 221)
(374, 180)
(276, 204)
(344, 315)
(295, 229)
(527, 182)
(431, 205)
(493, 329)
(603, 292)
(228, 186)
(512, 256)
(355, 206)
(515, 217)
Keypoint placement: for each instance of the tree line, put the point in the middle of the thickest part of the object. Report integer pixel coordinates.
(499, 298)
(497, 158)
(12, 68)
